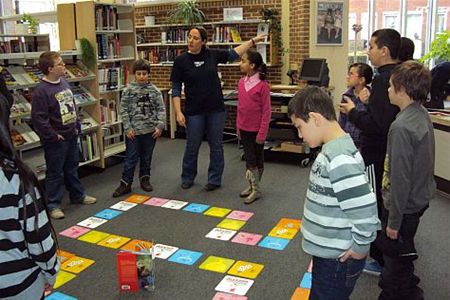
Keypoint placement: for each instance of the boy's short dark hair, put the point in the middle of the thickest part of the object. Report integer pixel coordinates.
(407, 48)
(141, 65)
(389, 38)
(364, 70)
(414, 78)
(312, 99)
(47, 60)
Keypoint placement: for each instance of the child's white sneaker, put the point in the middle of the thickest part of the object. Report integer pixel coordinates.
(57, 214)
(89, 200)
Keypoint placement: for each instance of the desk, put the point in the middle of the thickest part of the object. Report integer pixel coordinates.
(441, 126)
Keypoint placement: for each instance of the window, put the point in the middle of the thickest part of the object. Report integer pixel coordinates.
(391, 20)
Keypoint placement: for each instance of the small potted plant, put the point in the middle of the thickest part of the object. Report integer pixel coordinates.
(439, 49)
(187, 12)
(33, 23)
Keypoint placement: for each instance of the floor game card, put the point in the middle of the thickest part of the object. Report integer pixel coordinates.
(137, 198)
(289, 223)
(164, 251)
(196, 208)
(156, 201)
(246, 269)
(114, 241)
(231, 224)
(217, 212)
(76, 264)
(63, 255)
(301, 294)
(225, 296)
(123, 205)
(216, 264)
(59, 296)
(135, 245)
(240, 215)
(92, 222)
(62, 278)
(93, 236)
(273, 243)
(108, 214)
(282, 232)
(74, 231)
(185, 257)
(306, 281)
(221, 234)
(247, 238)
(174, 204)
(234, 285)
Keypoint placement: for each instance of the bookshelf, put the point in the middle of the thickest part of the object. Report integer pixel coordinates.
(110, 29)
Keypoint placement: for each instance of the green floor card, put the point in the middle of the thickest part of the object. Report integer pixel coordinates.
(93, 236)
(217, 212)
(246, 269)
(216, 264)
(231, 224)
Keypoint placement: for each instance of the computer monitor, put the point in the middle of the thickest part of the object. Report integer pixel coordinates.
(315, 71)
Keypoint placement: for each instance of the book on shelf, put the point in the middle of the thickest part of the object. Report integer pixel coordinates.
(22, 134)
(20, 75)
(34, 72)
(88, 146)
(21, 107)
(235, 35)
(77, 71)
(81, 95)
(109, 111)
(112, 78)
(112, 135)
(108, 46)
(106, 17)
(86, 120)
(7, 76)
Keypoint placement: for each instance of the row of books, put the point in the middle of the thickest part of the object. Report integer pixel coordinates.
(86, 120)
(109, 111)
(226, 34)
(156, 56)
(112, 78)
(24, 44)
(112, 135)
(88, 146)
(106, 17)
(21, 106)
(22, 135)
(108, 46)
(81, 95)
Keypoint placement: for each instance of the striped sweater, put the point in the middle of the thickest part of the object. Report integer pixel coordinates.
(340, 209)
(27, 256)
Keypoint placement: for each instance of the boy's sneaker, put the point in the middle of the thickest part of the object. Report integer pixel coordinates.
(372, 267)
(89, 200)
(145, 184)
(123, 189)
(57, 214)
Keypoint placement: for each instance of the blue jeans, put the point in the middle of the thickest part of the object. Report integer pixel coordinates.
(61, 159)
(333, 280)
(196, 126)
(141, 148)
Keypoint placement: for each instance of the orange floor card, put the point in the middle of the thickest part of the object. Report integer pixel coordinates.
(62, 278)
(246, 269)
(76, 264)
(282, 232)
(301, 294)
(93, 236)
(114, 241)
(133, 245)
(216, 264)
(217, 212)
(64, 255)
(137, 198)
(231, 224)
(289, 223)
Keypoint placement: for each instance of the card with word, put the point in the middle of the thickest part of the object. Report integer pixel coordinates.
(59, 296)
(123, 205)
(221, 234)
(196, 208)
(74, 231)
(306, 281)
(247, 238)
(289, 223)
(240, 215)
(282, 232)
(234, 285)
(216, 264)
(301, 294)
(217, 212)
(92, 222)
(62, 278)
(231, 224)
(156, 201)
(174, 204)
(185, 257)
(114, 241)
(76, 264)
(136, 245)
(274, 243)
(63, 255)
(246, 269)
(93, 236)
(108, 214)
(164, 251)
(137, 198)
(225, 296)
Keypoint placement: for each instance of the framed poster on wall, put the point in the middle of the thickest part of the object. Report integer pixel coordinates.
(329, 23)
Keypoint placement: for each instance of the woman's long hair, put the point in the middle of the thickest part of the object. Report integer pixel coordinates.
(10, 160)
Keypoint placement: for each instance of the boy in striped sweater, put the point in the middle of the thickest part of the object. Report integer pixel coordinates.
(340, 212)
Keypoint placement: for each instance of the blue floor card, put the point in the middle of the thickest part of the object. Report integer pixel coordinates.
(196, 208)
(108, 214)
(273, 243)
(306, 281)
(59, 296)
(185, 257)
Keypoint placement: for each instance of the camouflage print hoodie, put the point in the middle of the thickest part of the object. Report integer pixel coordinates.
(142, 108)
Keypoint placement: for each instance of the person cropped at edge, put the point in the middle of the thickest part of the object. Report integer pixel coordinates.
(384, 47)
(204, 110)
(28, 264)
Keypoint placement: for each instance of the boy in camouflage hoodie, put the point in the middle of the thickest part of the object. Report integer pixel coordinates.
(143, 116)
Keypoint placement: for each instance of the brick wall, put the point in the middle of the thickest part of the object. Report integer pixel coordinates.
(298, 30)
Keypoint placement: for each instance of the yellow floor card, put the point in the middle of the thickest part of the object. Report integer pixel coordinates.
(246, 269)
(301, 294)
(76, 264)
(114, 241)
(64, 255)
(93, 236)
(282, 232)
(133, 245)
(216, 264)
(217, 212)
(137, 198)
(289, 223)
(62, 278)
(231, 224)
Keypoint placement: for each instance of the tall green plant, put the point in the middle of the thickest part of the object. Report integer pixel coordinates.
(87, 53)
(271, 15)
(187, 12)
(439, 48)
(32, 22)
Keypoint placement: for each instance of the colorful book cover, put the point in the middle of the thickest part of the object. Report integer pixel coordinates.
(301, 294)
(282, 232)
(108, 214)
(274, 243)
(196, 208)
(289, 223)
(93, 236)
(136, 245)
(217, 212)
(246, 269)
(234, 285)
(92, 222)
(221, 234)
(76, 264)
(240, 215)
(74, 231)
(216, 264)
(231, 224)
(174, 204)
(136, 270)
(247, 238)
(62, 278)
(185, 257)
(113, 241)
(137, 198)
(164, 251)
(225, 296)
(156, 201)
(59, 296)
(123, 205)
(306, 281)
(64, 255)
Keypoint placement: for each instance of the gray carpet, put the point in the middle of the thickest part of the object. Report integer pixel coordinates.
(284, 186)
